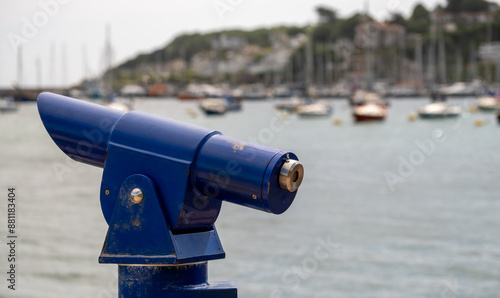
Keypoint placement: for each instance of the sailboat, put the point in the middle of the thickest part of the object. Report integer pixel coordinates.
(438, 108)
(111, 100)
(214, 106)
(219, 106)
(21, 94)
(315, 109)
(367, 104)
(7, 105)
(311, 109)
(491, 100)
(489, 103)
(369, 112)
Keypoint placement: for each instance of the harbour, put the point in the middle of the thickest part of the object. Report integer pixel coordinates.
(348, 233)
(250, 149)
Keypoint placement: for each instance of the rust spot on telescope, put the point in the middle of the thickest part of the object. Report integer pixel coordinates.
(237, 145)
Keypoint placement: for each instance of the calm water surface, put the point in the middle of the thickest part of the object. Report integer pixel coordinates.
(433, 230)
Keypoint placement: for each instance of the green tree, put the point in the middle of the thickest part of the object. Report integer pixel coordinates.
(323, 33)
(397, 18)
(326, 15)
(475, 5)
(419, 20)
(346, 28)
(419, 12)
(456, 6)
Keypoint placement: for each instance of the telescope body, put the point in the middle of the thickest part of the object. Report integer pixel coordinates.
(194, 169)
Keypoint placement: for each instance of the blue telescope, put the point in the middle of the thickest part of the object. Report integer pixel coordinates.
(162, 188)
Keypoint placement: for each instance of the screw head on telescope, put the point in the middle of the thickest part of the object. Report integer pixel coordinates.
(291, 175)
(136, 195)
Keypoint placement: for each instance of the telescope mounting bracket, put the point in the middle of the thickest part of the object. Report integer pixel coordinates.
(139, 233)
(153, 261)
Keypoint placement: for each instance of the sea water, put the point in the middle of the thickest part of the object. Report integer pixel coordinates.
(393, 209)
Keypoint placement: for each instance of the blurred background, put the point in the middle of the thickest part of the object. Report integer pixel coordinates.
(391, 106)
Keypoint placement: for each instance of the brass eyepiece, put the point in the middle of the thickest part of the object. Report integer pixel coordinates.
(291, 175)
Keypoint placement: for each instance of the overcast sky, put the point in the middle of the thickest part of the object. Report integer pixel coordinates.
(139, 26)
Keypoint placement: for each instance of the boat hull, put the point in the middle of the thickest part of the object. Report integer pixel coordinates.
(214, 112)
(488, 108)
(187, 96)
(314, 115)
(312, 110)
(437, 116)
(214, 106)
(370, 112)
(365, 118)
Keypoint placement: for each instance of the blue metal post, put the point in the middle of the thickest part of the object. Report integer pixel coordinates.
(170, 281)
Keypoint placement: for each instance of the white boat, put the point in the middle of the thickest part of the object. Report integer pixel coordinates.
(439, 110)
(120, 106)
(7, 105)
(119, 103)
(404, 91)
(488, 103)
(370, 112)
(291, 104)
(361, 97)
(318, 109)
(133, 90)
(251, 92)
(214, 106)
(462, 89)
(281, 92)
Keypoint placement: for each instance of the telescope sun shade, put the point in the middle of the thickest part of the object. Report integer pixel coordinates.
(80, 129)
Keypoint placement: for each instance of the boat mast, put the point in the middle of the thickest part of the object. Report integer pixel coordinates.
(64, 67)
(459, 66)
(309, 62)
(19, 66)
(403, 73)
(367, 49)
(85, 60)
(38, 73)
(52, 68)
(441, 53)
(431, 70)
(108, 78)
(472, 63)
(319, 63)
(419, 60)
(328, 65)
